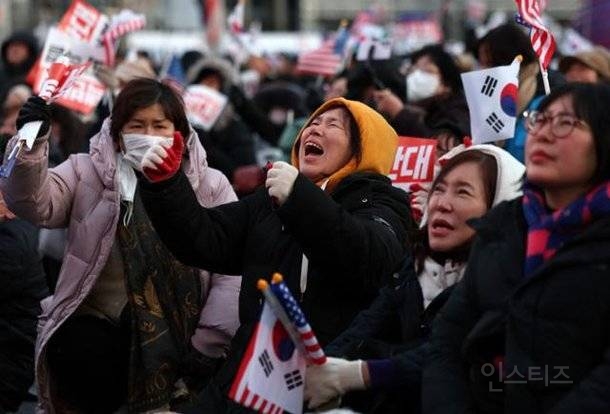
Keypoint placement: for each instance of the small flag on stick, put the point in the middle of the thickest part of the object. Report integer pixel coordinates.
(492, 101)
(271, 375)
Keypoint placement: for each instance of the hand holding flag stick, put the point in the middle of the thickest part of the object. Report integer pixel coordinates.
(270, 378)
(61, 76)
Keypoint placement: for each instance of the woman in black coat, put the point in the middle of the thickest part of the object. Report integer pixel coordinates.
(332, 224)
(386, 342)
(23, 287)
(435, 96)
(527, 329)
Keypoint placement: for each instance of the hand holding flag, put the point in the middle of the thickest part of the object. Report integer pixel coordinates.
(271, 375)
(60, 77)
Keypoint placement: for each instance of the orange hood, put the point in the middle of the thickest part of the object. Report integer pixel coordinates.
(378, 141)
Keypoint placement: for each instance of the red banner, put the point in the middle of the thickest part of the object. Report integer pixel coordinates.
(83, 95)
(82, 21)
(414, 162)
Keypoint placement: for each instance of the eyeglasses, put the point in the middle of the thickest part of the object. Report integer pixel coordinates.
(561, 124)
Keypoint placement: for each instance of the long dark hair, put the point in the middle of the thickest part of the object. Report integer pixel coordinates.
(489, 175)
(141, 93)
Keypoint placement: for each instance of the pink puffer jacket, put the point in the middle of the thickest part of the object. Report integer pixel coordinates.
(82, 194)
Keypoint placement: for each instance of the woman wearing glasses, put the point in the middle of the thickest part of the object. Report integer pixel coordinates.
(528, 328)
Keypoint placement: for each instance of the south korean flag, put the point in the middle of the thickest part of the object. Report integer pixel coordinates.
(492, 102)
(271, 376)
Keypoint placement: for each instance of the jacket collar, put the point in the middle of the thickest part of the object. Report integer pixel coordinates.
(506, 224)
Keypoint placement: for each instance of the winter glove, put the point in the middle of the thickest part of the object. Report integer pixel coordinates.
(280, 180)
(159, 163)
(332, 379)
(35, 109)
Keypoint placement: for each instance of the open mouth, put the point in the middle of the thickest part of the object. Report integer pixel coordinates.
(441, 224)
(311, 148)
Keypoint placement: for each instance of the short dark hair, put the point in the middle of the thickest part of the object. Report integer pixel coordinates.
(590, 103)
(450, 73)
(505, 43)
(141, 93)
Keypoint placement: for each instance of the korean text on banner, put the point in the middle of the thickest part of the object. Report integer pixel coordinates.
(203, 105)
(414, 162)
(82, 21)
(84, 95)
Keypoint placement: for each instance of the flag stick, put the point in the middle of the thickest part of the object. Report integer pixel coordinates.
(279, 311)
(545, 78)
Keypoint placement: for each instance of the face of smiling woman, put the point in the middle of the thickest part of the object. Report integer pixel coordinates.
(325, 145)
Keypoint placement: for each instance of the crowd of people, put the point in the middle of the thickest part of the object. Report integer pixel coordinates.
(131, 240)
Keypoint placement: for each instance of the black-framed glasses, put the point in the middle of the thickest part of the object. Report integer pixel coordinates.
(561, 124)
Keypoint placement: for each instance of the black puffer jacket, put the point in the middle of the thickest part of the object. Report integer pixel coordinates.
(11, 74)
(553, 328)
(426, 117)
(395, 326)
(23, 286)
(354, 240)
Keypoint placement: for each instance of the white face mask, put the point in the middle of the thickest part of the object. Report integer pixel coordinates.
(138, 145)
(421, 85)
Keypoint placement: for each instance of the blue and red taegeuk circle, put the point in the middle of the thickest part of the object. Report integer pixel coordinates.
(508, 99)
(282, 344)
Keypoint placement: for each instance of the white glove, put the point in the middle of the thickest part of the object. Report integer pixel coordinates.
(280, 180)
(333, 378)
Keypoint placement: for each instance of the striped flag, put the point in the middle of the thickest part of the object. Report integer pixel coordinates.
(271, 375)
(328, 58)
(125, 22)
(542, 39)
(314, 352)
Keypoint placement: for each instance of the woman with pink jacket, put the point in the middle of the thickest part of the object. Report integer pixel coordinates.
(125, 326)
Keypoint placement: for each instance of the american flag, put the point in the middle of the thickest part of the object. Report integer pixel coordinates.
(313, 349)
(328, 58)
(542, 39)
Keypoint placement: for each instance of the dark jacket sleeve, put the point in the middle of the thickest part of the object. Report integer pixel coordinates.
(377, 322)
(591, 394)
(365, 244)
(445, 385)
(208, 238)
(23, 286)
(410, 122)
(254, 117)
